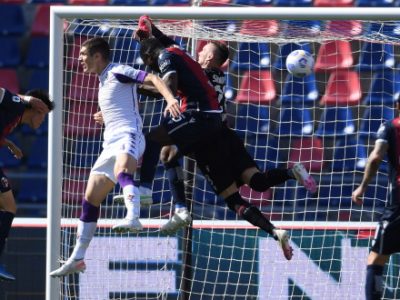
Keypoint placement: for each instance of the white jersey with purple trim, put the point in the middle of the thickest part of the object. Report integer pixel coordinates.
(118, 99)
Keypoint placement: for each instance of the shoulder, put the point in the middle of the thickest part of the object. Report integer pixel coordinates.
(121, 69)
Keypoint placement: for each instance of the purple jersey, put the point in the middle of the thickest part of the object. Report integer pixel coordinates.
(11, 111)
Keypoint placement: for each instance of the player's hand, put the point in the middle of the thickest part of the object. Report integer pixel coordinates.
(14, 149)
(144, 30)
(173, 109)
(357, 195)
(37, 104)
(168, 153)
(98, 117)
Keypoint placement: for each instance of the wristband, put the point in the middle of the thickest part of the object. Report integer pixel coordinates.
(28, 98)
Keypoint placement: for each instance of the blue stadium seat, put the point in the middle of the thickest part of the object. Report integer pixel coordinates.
(306, 27)
(230, 90)
(38, 153)
(336, 194)
(47, 1)
(169, 2)
(389, 29)
(204, 194)
(251, 56)
(42, 130)
(285, 49)
(83, 29)
(252, 119)
(161, 192)
(38, 53)
(296, 3)
(376, 56)
(299, 91)
(336, 121)
(9, 79)
(9, 52)
(373, 117)
(12, 21)
(39, 79)
(349, 154)
(127, 51)
(295, 120)
(85, 153)
(252, 2)
(379, 3)
(129, 2)
(33, 190)
(385, 88)
(265, 150)
(7, 159)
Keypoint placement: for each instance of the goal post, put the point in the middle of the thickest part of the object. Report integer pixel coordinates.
(218, 236)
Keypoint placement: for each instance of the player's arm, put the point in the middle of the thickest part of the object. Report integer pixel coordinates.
(373, 163)
(14, 149)
(146, 29)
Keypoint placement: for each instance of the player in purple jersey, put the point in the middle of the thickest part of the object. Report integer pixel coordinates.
(30, 109)
(386, 241)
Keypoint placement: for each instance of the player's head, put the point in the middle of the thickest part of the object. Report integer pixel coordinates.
(94, 55)
(213, 55)
(32, 117)
(149, 51)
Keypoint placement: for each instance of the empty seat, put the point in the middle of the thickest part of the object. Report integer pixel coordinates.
(256, 87)
(299, 91)
(253, 2)
(295, 28)
(83, 87)
(252, 119)
(129, 2)
(9, 52)
(297, 3)
(336, 121)
(170, 2)
(230, 87)
(215, 2)
(333, 2)
(84, 152)
(42, 130)
(87, 2)
(309, 151)
(373, 117)
(349, 154)
(334, 55)
(259, 27)
(34, 190)
(127, 51)
(390, 29)
(38, 153)
(73, 190)
(256, 198)
(285, 49)
(204, 194)
(12, 21)
(251, 56)
(7, 158)
(39, 79)
(41, 21)
(376, 56)
(79, 121)
(295, 120)
(378, 3)
(344, 27)
(86, 29)
(38, 53)
(264, 148)
(48, 1)
(72, 52)
(9, 80)
(343, 88)
(385, 88)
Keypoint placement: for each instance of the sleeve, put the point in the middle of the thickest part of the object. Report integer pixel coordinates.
(164, 40)
(166, 63)
(127, 74)
(382, 135)
(12, 105)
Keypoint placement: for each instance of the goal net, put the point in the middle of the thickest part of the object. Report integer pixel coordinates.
(326, 120)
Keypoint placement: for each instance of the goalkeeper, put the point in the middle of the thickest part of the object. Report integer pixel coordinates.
(30, 109)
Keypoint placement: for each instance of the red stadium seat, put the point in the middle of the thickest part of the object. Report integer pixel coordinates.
(73, 52)
(308, 151)
(215, 2)
(333, 3)
(343, 88)
(79, 121)
(87, 2)
(41, 21)
(334, 55)
(252, 27)
(13, 1)
(83, 87)
(256, 198)
(344, 27)
(73, 191)
(256, 87)
(9, 80)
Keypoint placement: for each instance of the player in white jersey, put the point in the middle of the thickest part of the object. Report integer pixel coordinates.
(122, 147)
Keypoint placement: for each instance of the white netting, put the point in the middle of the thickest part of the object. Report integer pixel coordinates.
(326, 120)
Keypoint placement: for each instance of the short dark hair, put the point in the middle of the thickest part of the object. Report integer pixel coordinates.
(150, 47)
(222, 52)
(42, 95)
(97, 45)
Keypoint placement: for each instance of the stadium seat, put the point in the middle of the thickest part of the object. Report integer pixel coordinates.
(83, 87)
(373, 117)
(48, 1)
(73, 190)
(79, 121)
(85, 152)
(349, 154)
(334, 55)
(41, 22)
(169, 2)
(252, 27)
(38, 53)
(256, 198)
(127, 51)
(309, 151)
(376, 56)
(296, 3)
(389, 29)
(215, 2)
(253, 2)
(204, 194)
(251, 56)
(13, 1)
(12, 21)
(385, 88)
(7, 158)
(299, 91)
(336, 121)
(38, 153)
(343, 88)
(161, 192)
(378, 3)
(343, 28)
(230, 87)
(42, 130)
(81, 27)
(295, 28)
(9, 80)
(264, 149)
(285, 49)
(295, 121)
(129, 2)
(87, 2)
(333, 2)
(33, 190)
(9, 52)
(252, 119)
(72, 51)
(257, 86)
(39, 79)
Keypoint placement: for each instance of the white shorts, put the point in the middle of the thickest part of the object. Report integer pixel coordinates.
(130, 143)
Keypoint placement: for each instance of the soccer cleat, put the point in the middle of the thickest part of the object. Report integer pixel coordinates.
(283, 240)
(146, 197)
(128, 225)
(144, 28)
(4, 275)
(302, 176)
(181, 218)
(70, 267)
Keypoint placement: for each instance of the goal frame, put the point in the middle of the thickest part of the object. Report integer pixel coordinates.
(58, 13)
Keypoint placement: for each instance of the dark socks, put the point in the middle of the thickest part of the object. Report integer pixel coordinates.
(149, 163)
(90, 213)
(6, 219)
(176, 184)
(260, 182)
(374, 283)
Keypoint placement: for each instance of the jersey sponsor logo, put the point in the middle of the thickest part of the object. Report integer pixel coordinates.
(16, 98)
(164, 64)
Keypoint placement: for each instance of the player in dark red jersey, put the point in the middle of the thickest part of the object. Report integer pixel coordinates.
(387, 240)
(30, 109)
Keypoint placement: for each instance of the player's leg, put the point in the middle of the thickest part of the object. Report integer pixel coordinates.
(170, 157)
(7, 213)
(374, 277)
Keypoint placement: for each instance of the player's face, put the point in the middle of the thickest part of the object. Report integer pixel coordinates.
(205, 55)
(87, 61)
(36, 120)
